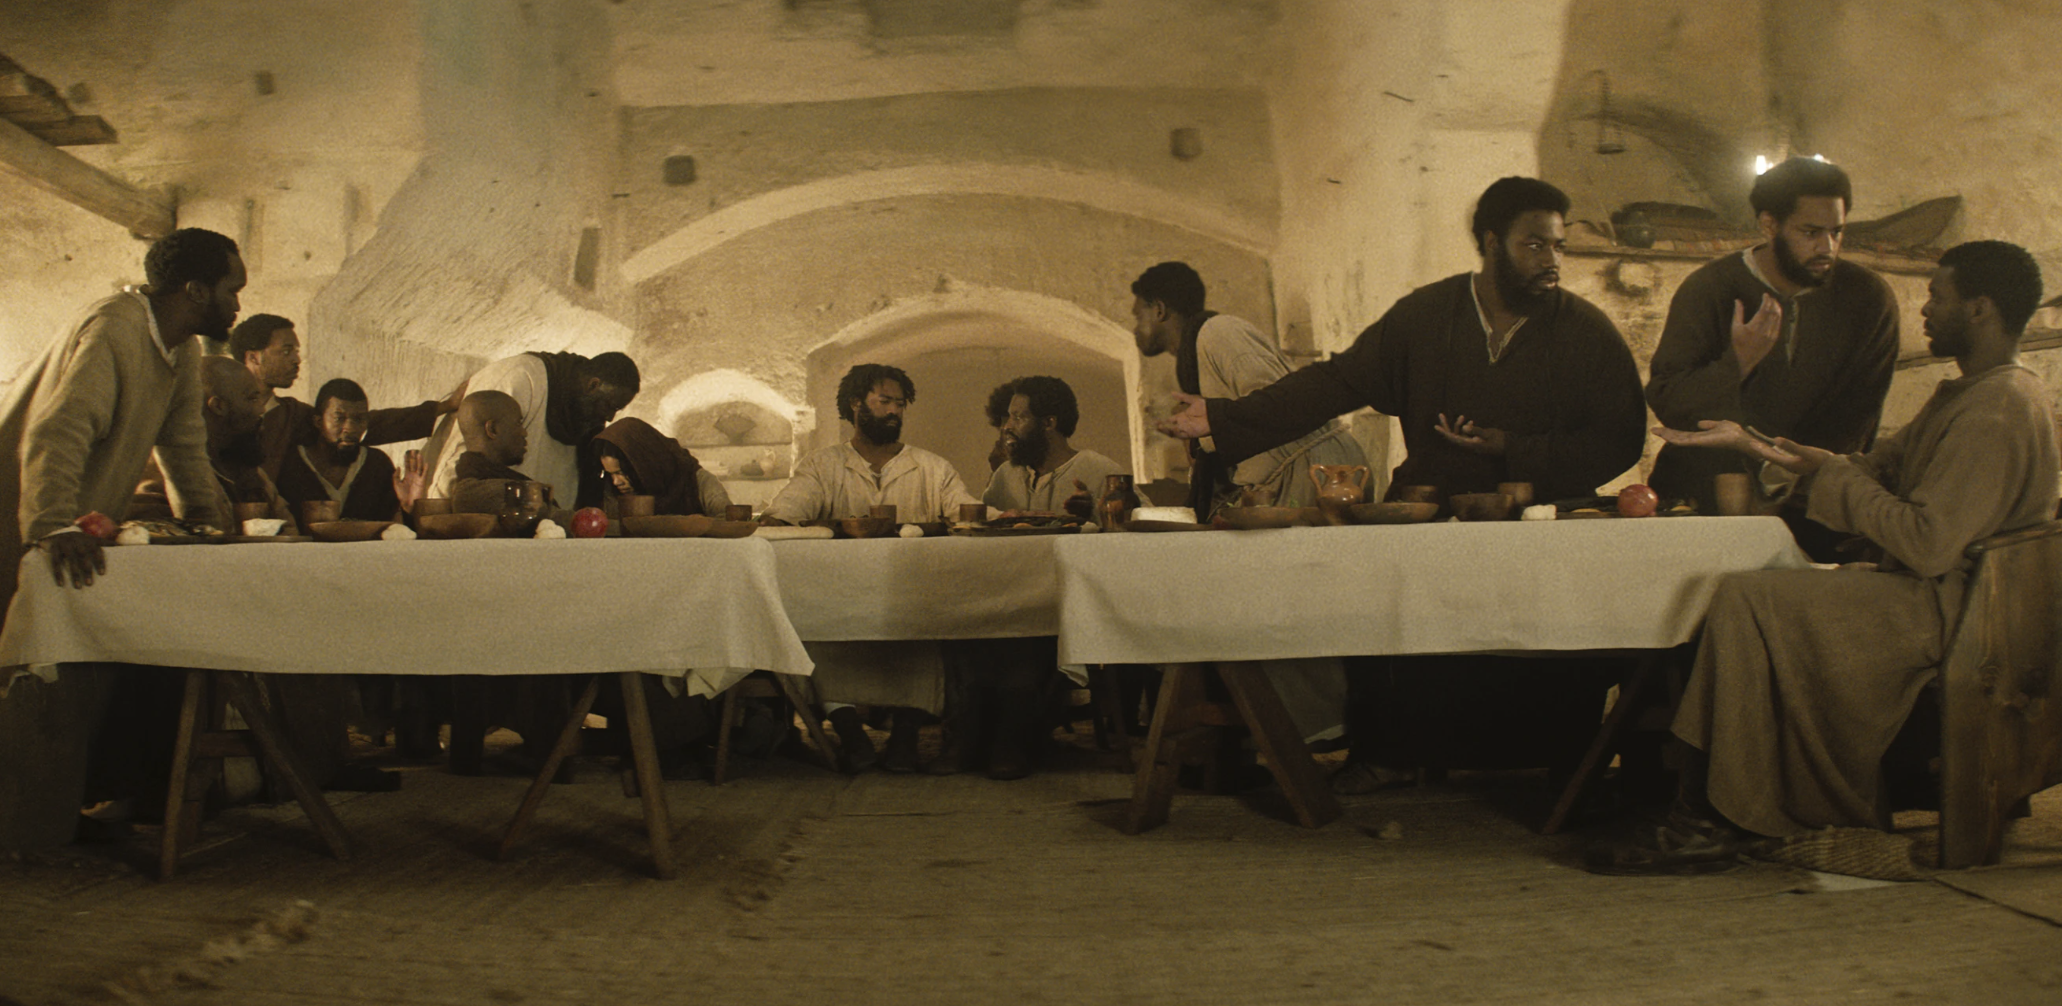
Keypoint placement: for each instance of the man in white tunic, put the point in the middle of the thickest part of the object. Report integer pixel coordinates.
(1804, 677)
(566, 399)
(1044, 469)
(76, 431)
(874, 468)
(1220, 356)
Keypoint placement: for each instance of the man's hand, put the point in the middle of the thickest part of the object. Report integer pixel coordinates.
(411, 480)
(1724, 434)
(1082, 503)
(1753, 339)
(450, 402)
(1472, 438)
(77, 554)
(1190, 420)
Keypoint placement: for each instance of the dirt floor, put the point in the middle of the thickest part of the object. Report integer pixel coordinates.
(801, 886)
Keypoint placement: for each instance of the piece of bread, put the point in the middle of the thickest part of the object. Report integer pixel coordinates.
(1169, 514)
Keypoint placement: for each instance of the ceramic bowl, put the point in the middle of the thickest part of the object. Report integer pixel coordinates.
(348, 530)
(1253, 518)
(456, 525)
(1482, 506)
(1396, 512)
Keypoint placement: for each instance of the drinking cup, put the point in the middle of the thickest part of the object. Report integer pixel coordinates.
(1735, 493)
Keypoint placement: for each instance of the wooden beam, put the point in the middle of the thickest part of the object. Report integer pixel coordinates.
(83, 185)
(79, 130)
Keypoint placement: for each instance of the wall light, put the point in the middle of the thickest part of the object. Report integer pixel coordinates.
(1762, 163)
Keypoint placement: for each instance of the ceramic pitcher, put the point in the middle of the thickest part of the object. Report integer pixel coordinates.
(1339, 487)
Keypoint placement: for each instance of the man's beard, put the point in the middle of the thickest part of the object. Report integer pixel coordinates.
(878, 429)
(243, 451)
(1515, 289)
(1945, 339)
(1792, 267)
(215, 325)
(343, 454)
(1030, 451)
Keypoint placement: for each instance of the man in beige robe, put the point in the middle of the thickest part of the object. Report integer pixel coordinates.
(1804, 677)
(76, 431)
(874, 468)
(1043, 469)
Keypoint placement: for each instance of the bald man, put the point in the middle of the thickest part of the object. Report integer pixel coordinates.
(232, 403)
(495, 442)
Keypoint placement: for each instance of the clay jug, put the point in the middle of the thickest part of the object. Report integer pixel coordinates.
(1338, 488)
(1118, 500)
(524, 505)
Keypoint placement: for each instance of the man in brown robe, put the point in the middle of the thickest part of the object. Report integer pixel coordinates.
(1495, 376)
(336, 464)
(76, 430)
(268, 345)
(636, 459)
(495, 442)
(1813, 361)
(1803, 677)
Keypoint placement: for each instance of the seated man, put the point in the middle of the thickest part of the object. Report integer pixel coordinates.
(495, 442)
(337, 465)
(1803, 677)
(847, 479)
(232, 403)
(268, 345)
(564, 399)
(639, 460)
(1043, 469)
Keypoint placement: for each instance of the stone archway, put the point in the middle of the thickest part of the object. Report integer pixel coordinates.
(957, 345)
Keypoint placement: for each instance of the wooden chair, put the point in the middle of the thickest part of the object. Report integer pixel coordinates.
(1188, 728)
(2001, 693)
(207, 741)
(767, 685)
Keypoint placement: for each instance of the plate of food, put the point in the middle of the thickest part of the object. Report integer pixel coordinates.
(1020, 524)
(168, 531)
(1164, 518)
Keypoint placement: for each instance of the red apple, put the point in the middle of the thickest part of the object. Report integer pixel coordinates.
(1637, 501)
(589, 522)
(99, 525)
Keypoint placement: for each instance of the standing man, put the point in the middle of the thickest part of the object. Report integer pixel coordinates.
(1219, 356)
(1785, 337)
(76, 430)
(1495, 376)
(269, 347)
(1803, 677)
(1043, 468)
(337, 465)
(565, 400)
(847, 479)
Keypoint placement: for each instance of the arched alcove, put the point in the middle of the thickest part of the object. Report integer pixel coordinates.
(958, 345)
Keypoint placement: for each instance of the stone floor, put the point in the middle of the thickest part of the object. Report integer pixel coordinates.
(802, 886)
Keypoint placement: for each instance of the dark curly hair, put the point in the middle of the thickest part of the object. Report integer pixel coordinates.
(1777, 190)
(1050, 398)
(861, 379)
(2002, 271)
(254, 334)
(1507, 199)
(187, 255)
(1173, 284)
(998, 407)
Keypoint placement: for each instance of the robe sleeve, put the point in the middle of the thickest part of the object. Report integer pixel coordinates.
(1960, 496)
(952, 492)
(805, 497)
(1847, 417)
(998, 493)
(1600, 430)
(1694, 374)
(393, 426)
(182, 452)
(710, 488)
(1369, 372)
(61, 431)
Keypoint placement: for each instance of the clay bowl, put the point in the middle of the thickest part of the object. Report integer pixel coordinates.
(1417, 494)
(1396, 512)
(1254, 518)
(732, 529)
(868, 527)
(448, 526)
(1482, 506)
(348, 530)
(669, 526)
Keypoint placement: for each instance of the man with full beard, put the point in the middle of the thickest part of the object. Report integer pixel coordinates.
(1043, 469)
(337, 465)
(1495, 376)
(1785, 337)
(847, 479)
(269, 346)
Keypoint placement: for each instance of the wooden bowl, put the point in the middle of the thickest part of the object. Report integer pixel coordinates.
(348, 530)
(732, 529)
(1254, 518)
(868, 527)
(448, 526)
(668, 526)
(1482, 506)
(1397, 512)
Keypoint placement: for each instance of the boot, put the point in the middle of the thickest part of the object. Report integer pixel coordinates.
(856, 747)
(901, 754)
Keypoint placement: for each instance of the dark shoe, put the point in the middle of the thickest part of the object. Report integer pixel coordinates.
(853, 743)
(93, 830)
(364, 779)
(901, 754)
(1677, 846)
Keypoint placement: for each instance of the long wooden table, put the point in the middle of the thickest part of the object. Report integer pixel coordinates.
(1188, 598)
(709, 610)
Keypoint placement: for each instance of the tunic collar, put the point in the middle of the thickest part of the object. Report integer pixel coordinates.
(156, 338)
(1490, 344)
(336, 492)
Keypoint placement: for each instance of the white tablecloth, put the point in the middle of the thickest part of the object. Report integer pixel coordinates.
(707, 608)
(1432, 588)
(921, 588)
